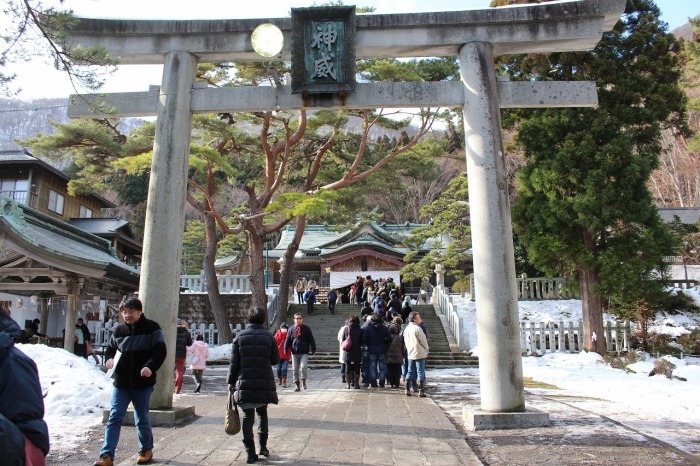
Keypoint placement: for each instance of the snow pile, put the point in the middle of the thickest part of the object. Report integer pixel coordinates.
(75, 392)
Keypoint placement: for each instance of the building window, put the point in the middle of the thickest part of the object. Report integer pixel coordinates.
(55, 202)
(15, 189)
(85, 212)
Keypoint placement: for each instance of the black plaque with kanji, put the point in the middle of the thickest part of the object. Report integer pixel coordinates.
(323, 50)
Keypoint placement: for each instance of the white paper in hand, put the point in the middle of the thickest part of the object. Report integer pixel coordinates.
(117, 357)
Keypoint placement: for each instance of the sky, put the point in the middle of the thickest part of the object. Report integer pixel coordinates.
(38, 79)
(76, 391)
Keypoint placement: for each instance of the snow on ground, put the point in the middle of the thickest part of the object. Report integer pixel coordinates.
(76, 391)
(570, 310)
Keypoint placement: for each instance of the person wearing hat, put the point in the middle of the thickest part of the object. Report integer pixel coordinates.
(183, 339)
(285, 356)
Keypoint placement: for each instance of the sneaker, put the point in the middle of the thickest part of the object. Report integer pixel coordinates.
(145, 457)
(104, 460)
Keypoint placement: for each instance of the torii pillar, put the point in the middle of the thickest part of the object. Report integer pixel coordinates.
(500, 361)
(159, 287)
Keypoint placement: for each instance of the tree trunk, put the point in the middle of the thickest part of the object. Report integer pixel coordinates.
(257, 268)
(592, 311)
(286, 272)
(217, 306)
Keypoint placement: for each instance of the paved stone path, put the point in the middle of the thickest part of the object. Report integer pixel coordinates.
(331, 425)
(326, 424)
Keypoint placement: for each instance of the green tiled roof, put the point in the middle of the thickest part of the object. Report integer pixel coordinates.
(57, 241)
(321, 240)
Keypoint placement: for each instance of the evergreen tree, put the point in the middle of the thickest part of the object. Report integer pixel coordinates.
(582, 207)
(447, 219)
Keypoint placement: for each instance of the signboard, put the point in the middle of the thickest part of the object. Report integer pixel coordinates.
(323, 50)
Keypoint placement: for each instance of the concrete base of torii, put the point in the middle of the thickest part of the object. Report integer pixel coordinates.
(167, 417)
(477, 419)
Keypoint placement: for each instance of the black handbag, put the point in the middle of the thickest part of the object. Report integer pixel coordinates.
(232, 420)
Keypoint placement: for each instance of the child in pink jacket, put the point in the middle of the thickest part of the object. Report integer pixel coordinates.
(200, 353)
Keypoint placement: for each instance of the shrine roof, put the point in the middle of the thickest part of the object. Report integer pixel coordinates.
(27, 231)
(322, 240)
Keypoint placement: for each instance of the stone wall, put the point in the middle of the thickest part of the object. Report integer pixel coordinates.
(195, 308)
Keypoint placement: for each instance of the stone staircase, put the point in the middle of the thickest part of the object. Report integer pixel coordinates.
(325, 329)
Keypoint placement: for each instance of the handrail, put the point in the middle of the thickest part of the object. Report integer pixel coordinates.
(228, 283)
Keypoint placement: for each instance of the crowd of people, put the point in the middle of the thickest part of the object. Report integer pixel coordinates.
(384, 352)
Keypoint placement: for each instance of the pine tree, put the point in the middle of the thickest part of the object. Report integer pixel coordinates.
(583, 208)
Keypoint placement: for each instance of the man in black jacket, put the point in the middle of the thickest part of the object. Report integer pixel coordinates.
(250, 378)
(136, 351)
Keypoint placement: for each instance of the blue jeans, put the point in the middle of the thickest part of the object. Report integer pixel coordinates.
(300, 364)
(373, 359)
(416, 366)
(120, 402)
(365, 368)
(282, 367)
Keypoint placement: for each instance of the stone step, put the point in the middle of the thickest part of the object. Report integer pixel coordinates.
(325, 326)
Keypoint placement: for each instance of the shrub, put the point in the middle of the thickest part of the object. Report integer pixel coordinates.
(655, 342)
(620, 361)
(663, 367)
(690, 342)
(680, 301)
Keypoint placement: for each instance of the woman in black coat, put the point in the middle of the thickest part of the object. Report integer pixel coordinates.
(353, 357)
(251, 379)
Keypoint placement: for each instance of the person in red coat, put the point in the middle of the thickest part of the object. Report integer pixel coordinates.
(280, 337)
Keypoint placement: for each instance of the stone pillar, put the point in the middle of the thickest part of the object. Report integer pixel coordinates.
(439, 275)
(159, 288)
(500, 363)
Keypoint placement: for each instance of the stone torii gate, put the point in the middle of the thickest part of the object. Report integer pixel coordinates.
(474, 36)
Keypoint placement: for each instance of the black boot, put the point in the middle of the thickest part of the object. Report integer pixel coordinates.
(303, 383)
(357, 381)
(408, 388)
(250, 450)
(263, 445)
(296, 382)
(421, 389)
